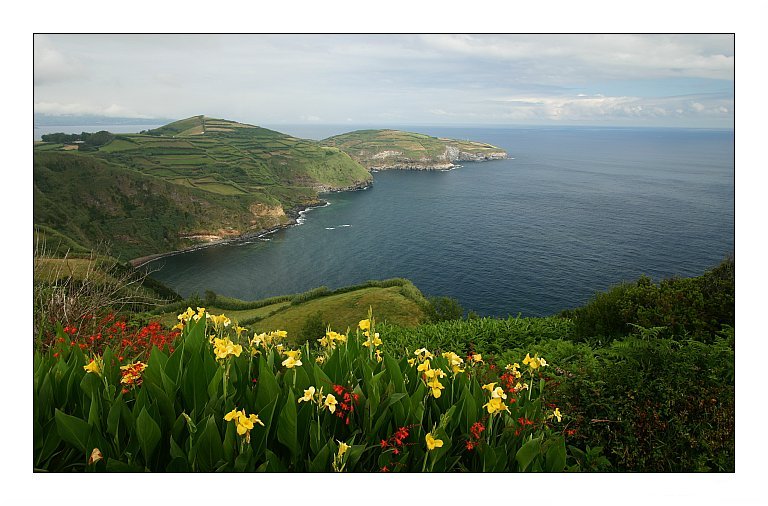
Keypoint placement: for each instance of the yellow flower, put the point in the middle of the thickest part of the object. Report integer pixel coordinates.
(239, 330)
(229, 416)
(178, 326)
(411, 361)
(186, 315)
(343, 447)
(535, 362)
(454, 361)
(364, 324)
(293, 358)
(556, 413)
(243, 422)
(376, 341)
(498, 393)
(308, 394)
(378, 356)
(433, 443)
(495, 405)
(423, 354)
(219, 321)
(435, 387)
(93, 366)
(320, 359)
(200, 313)
(489, 387)
(330, 402)
(424, 366)
(223, 348)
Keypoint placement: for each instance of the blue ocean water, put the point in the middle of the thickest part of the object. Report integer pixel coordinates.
(572, 212)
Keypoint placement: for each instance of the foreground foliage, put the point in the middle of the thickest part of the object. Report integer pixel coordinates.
(224, 400)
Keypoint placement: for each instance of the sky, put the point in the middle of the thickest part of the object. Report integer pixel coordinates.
(453, 79)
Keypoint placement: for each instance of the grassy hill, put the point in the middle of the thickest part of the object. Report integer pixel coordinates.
(395, 301)
(395, 149)
(189, 182)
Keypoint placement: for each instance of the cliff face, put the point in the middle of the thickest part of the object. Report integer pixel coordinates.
(393, 149)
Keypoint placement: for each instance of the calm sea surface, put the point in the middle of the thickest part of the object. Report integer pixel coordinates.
(574, 211)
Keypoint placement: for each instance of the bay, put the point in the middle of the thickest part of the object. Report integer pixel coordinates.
(573, 211)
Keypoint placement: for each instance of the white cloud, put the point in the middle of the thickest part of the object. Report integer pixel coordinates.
(72, 109)
(52, 66)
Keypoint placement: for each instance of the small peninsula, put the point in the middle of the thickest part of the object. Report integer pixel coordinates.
(395, 149)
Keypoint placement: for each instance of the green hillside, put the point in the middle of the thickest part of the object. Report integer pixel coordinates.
(190, 182)
(395, 301)
(395, 149)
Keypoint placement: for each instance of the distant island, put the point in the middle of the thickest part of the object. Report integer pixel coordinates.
(204, 180)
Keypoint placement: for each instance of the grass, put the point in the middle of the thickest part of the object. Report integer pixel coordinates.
(345, 310)
(170, 319)
(342, 309)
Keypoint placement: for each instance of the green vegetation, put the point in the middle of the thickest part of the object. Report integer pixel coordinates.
(179, 185)
(397, 301)
(679, 308)
(394, 149)
(650, 399)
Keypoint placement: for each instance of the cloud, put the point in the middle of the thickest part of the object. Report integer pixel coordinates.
(52, 66)
(598, 108)
(74, 109)
(554, 57)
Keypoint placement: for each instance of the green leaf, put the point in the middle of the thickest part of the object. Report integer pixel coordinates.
(268, 389)
(555, 456)
(395, 375)
(148, 432)
(116, 466)
(208, 450)
(73, 430)
(321, 462)
(177, 465)
(286, 425)
(529, 451)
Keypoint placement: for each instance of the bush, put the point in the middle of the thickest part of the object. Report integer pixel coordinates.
(313, 329)
(695, 308)
(442, 309)
(654, 405)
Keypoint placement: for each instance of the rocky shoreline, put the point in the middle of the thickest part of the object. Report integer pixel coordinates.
(294, 214)
(451, 156)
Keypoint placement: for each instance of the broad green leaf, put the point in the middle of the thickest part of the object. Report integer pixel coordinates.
(555, 456)
(148, 433)
(395, 375)
(207, 449)
(528, 452)
(73, 430)
(322, 461)
(177, 465)
(286, 425)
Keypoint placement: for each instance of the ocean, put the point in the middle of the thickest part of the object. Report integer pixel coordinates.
(573, 211)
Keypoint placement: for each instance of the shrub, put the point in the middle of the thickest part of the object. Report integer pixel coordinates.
(694, 308)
